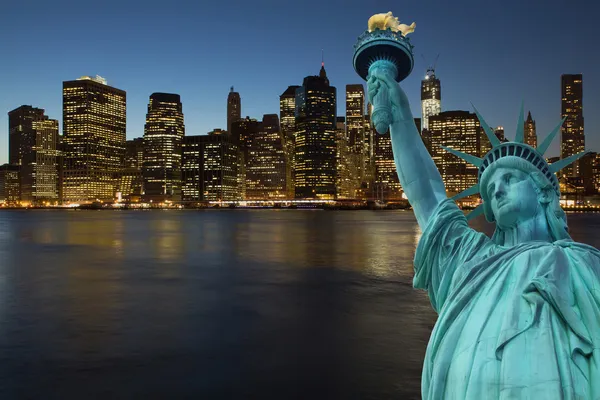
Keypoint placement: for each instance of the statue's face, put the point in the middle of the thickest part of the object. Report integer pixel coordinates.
(513, 197)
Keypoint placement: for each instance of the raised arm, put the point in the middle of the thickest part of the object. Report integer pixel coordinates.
(417, 172)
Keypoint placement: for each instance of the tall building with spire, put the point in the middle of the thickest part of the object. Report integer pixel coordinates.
(529, 132)
(431, 97)
(287, 118)
(93, 141)
(572, 138)
(234, 108)
(33, 146)
(163, 137)
(315, 148)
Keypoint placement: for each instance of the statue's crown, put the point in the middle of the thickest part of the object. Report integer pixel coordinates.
(511, 154)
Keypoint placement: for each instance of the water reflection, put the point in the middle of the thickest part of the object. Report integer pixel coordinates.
(214, 304)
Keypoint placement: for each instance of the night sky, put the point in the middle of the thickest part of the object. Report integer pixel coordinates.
(492, 53)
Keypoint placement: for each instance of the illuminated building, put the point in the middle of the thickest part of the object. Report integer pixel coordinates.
(33, 140)
(209, 168)
(459, 130)
(387, 184)
(287, 118)
(241, 133)
(529, 133)
(218, 131)
(359, 135)
(499, 132)
(9, 185)
(163, 136)
(431, 97)
(572, 140)
(315, 138)
(131, 179)
(347, 171)
(590, 173)
(265, 165)
(234, 108)
(94, 116)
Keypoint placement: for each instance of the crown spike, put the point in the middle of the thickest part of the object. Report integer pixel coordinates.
(477, 211)
(560, 164)
(476, 161)
(519, 136)
(546, 143)
(488, 131)
(468, 192)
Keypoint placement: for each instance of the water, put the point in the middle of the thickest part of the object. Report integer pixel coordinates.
(271, 304)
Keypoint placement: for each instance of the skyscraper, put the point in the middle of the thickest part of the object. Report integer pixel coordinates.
(355, 118)
(530, 136)
(459, 130)
(209, 168)
(234, 108)
(33, 140)
(431, 97)
(572, 140)
(94, 116)
(163, 137)
(315, 138)
(287, 118)
(346, 169)
(265, 165)
(242, 132)
(9, 185)
(131, 179)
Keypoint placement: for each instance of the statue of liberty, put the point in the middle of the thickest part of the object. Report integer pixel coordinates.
(519, 313)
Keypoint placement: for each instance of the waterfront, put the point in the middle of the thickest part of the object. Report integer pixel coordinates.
(214, 303)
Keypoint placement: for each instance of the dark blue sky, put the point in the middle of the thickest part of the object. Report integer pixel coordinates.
(492, 53)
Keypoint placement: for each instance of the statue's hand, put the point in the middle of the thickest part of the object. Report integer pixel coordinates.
(380, 78)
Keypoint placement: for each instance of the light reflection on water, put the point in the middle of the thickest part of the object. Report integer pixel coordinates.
(244, 303)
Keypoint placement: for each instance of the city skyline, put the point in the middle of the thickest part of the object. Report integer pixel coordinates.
(260, 68)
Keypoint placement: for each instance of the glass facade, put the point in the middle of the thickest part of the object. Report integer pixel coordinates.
(234, 108)
(209, 168)
(572, 138)
(459, 130)
(287, 118)
(266, 162)
(163, 137)
(431, 97)
(315, 150)
(93, 141)
(33, 145)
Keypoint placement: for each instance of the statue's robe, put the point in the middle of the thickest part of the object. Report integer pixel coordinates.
(517, 322)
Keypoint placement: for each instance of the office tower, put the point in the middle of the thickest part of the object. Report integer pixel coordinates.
(572, 140)
(131, 180)
(265, 165)
(9, 185)
(315, 138)
(94, 116)
(347, 171)
(33, 140)
(387, 184)
(234, 108)
(209, 169)
(431, 97)
(459, 130)
(499, 132)
(242, 132)
(163, 136)
(355, 118)
(529, 132)
(287, 118)
(590, 168)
